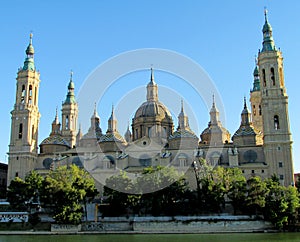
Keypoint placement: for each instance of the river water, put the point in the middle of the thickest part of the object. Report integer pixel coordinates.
(243, 237)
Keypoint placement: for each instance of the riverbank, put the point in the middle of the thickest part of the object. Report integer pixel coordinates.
(152, 225)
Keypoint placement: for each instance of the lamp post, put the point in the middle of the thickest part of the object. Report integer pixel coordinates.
(196, 168)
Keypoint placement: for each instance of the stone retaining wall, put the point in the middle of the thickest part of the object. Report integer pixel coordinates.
(199, 224)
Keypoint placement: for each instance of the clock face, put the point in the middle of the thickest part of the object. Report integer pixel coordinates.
(250, 156)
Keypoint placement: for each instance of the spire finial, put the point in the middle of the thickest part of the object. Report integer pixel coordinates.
(56, 121)
(30, 37)
(213, 104)
(152, 75)
(181, 105)
(71, 75)
(266, 14)
(95, 108)
(245, 103)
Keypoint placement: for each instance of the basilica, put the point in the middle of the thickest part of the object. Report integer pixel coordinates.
(260, 146)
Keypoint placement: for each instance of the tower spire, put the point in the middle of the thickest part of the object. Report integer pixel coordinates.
(112, 122)
(183, 121)
(256, 83)
(55, 125)
(29, 61)
(71, 86)
(245, 114)
(152, 76)
(56, 117)
(152, 90)
(214, 113)
(268, 42)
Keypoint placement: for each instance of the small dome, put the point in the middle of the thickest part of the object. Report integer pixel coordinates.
(30, 50)
(112, 137)
(183, 134)
(244, 131)
(215, 129)
(267, 27)
(71, 85)
(55, 140)
(152, 109)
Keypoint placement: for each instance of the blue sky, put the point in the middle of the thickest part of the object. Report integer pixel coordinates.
(223, 37)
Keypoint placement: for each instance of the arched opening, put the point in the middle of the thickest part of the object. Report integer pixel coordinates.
(20, 130)
(264, 77)
(259, 110)
(254, 110)
(276, 122)
(23, 94)
(67, 122)
(35, 96)
(273, 76)
(30, 95)
(109, 162)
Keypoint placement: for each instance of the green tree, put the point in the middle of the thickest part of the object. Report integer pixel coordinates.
(16, 194)
(119, 190)
(236, 190)
(256, 192)
(293, 205)
(169, 188)
(276, 203)
(68, 189)
(23, 194)
(157, 191)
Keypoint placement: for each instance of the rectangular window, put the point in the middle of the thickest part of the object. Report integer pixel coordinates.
(281, 177)
(280, 164)
(262, 171)
(253, 172)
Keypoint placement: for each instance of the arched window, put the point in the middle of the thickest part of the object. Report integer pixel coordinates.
(264, 77)
(23, 94)
(20, 130)
(35, 96)
(67, 122)
(30, 95)
(259, 109)
(273, 76)
(254, 110)
(276, 122)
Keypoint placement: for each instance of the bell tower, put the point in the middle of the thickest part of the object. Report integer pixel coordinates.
(23, 147)
(70, 115)
(255, 99)
(274, 107)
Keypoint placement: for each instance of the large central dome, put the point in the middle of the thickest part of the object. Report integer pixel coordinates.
(153, 109)
(152, 118)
